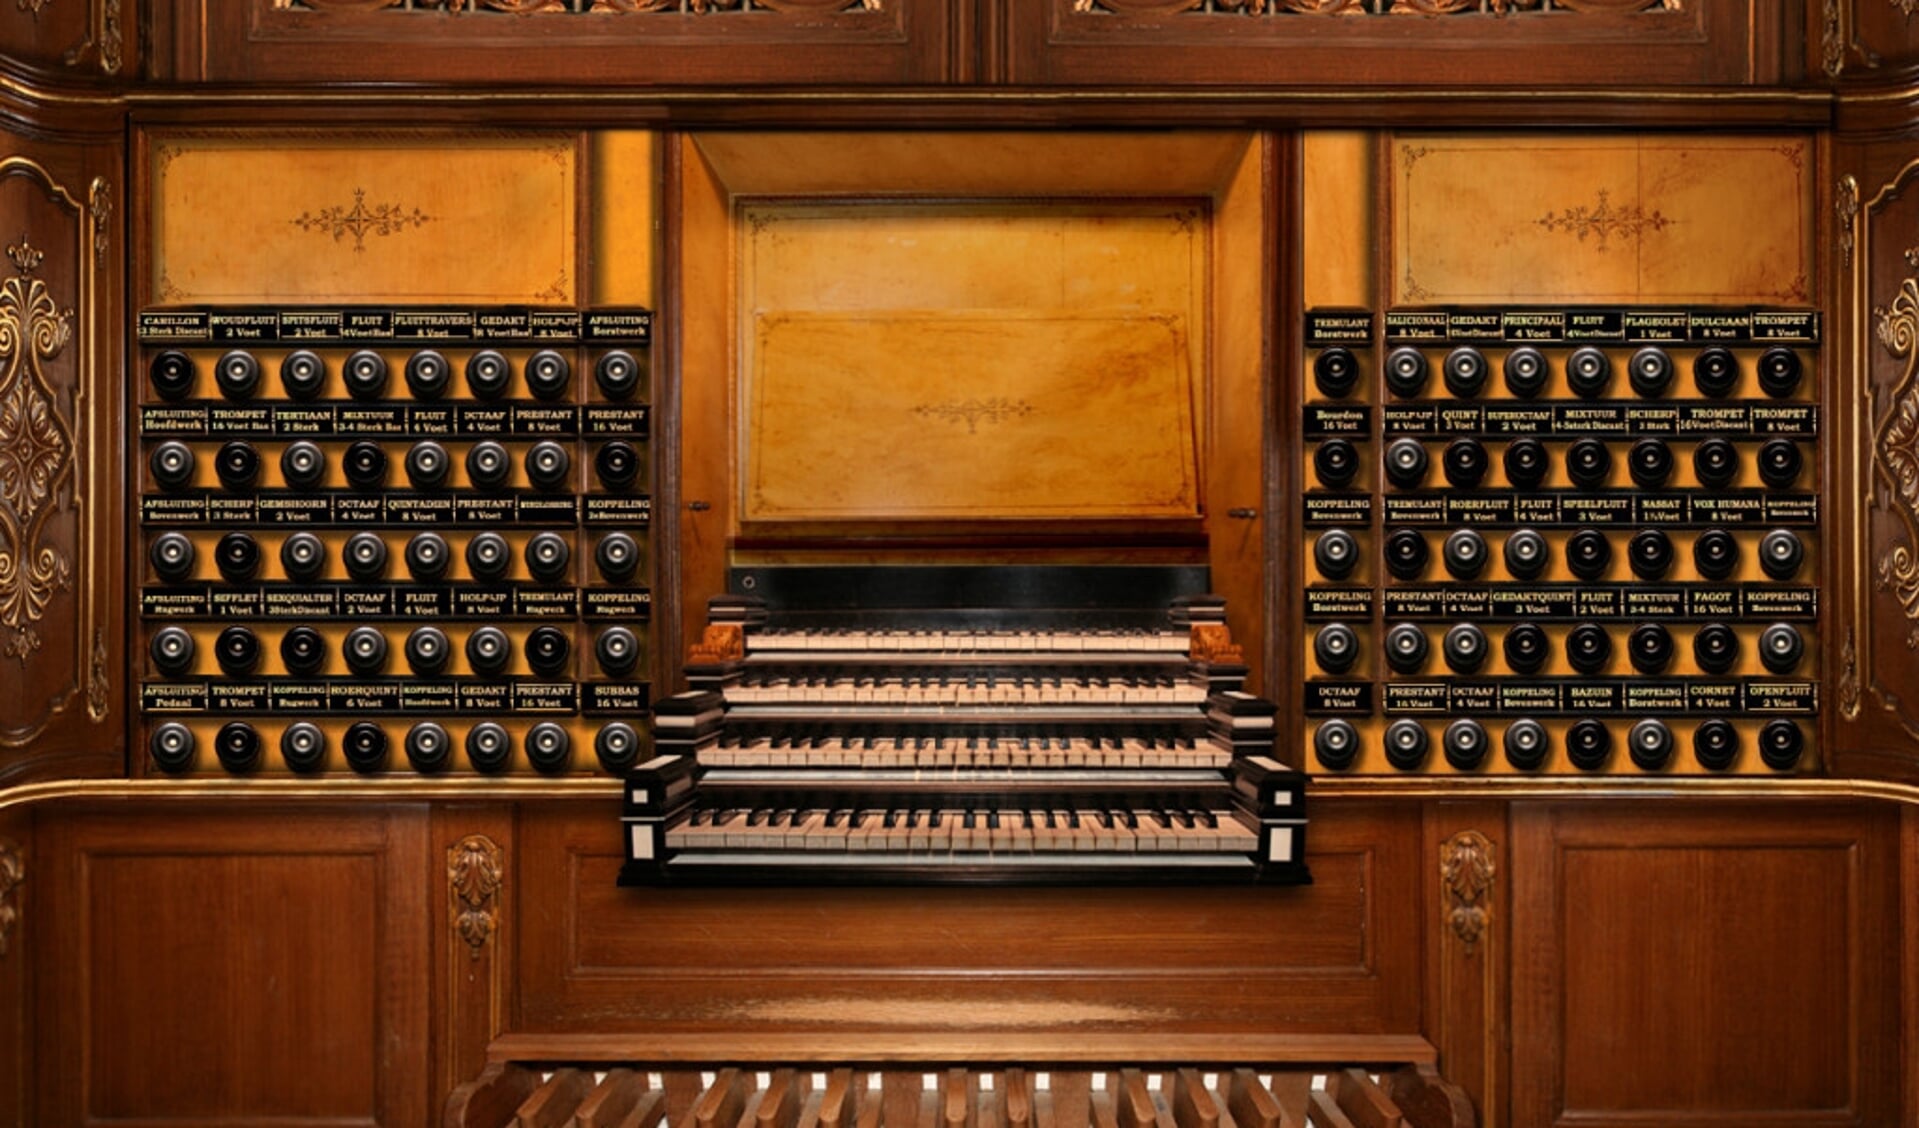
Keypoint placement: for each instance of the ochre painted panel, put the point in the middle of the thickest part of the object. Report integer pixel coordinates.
(336, 220)
(1338, 186)
(982, 361)
(1504, 219)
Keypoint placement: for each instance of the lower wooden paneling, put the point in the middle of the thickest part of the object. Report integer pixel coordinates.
(1705, 966)
(234, 967)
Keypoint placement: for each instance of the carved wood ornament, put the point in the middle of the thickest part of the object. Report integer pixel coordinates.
(13, 871)
(540, 7)
(474, 877)
(36, 451)
(1369, 7)
(1467, 870)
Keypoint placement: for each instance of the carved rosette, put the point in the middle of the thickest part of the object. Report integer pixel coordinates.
(1466, 871)
(474, 877)
(36, 452)
(13, 871)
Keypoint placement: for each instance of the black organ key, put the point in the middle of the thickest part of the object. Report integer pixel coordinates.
(1406, 463)
(428, 465)
(173, 375)
(1780, 554)
(547, 465)
(303, 557)
(1650, 372)
(488, 374)
(1406, 372)
(1465, 553)
(1335, 553)
(1588, 554)
(1464, 744)
(1527, 463)
(303, 465)
(1649, 463)
(365, 651)
(1526, 372)
(1650, 553)
(1715, 744)
(1715, 554)
(171, 747)
(365, 746)
(303, 651)
(366, 375)
(237, 650)
(1650, 648)
(1526, 744)
(428, 651)
(1715, 372)
(172, 650)
(618, 651)
(548, 375)
(428, 747)
(1649, 744)
(1335, 372)
(1406, 648)
(488, 556)
(1715, 647)
(1780, 463)
(237, 374)
(1780, 372)
(617, 374)
(171, 556)
(616, 746)
(1588, 372)
(547, 651)
(1715, 462)
(1781, 743)
(237, 465)
(365, 557)
(1526, 648)
(427, 557)
(1406, 553)
(1406, 745)
(171, 465)
(237, 747)
(1465, 371)
(617, 465)
(547, 556)
(488, 465)
(1588, 745)
(427, 374)
(1465, 463)
(1781, 648)
(1336, 647)
(1335, 463)
(303, 747)
(1526, 554)
(1588, 648)
(365, 464)
(488, 747)
(1465, 648)
(1588, 463)
(302, 375)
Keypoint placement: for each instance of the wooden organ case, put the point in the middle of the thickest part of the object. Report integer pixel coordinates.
(400, 398)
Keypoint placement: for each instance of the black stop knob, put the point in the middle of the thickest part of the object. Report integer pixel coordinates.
(171, 747)
(488, 651)
(1650, 371)
(1336, 745)
(617, 465)
(172, 651)
(238, 557)
(547, 651)
(618, 651)
(1335, 647)
(172, 375)
(237, 374)
(618, 374)
(618, 555)
(365, 557)
(238, 466)
(303, 747)
(1650, 463)
(1650, 552)
(1526, 372)
(1588, 648)
(1780, 745)
(428, 747)
(547, 465)
(1780, 463)
(1466, 462)
(488, 748)
(427, 557)
(427, 374)
(1335, 463)
(1716, 648)
(547, 556)
(1335, 372)
(548, 747)
(548, 374)
(1464, 744)
(303, 557)
(1780, 554)
(1465, 553)
(1588, 463)
(1588, 372)
(488, 465)
(488, 556)
(1526, 648)
(1715, 553)
(1527, 554)
(1588, 745)
(1650, 647)
(1406, 648)
(1715, 744)
(1465, 371)
(428, 651)
(617, 746)
(237, 650)
(1527, 463)
(1781, 648)
(171, 465)
(1527, 744)
(487, 375)
(302, 375)
(365, 746)
(303, 651)
(1406, 463)
(1465, 647)
(1406, 745)
(365, 465)
(1588, 554)
(1649, 744)
(171, 555)
(1715, 372)
(365, 374)
(303, 466)
(1780, 372)
(427, 466)
(1406, 372)
(1406, 553)
(365, 651)
(1715, 463)
(237, 746)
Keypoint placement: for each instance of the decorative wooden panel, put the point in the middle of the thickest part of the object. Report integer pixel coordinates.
(624, 42)
(446, 220)
(1704, 966)
(59, 487)
(1338, 956)
(1865, 40)
(217, 966)
(1642, 220)
(1341, 42)
(70, 39)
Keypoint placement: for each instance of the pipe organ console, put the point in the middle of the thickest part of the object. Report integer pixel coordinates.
(979, 563)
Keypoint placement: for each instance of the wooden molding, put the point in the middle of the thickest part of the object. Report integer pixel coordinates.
(13, 872)
(474, 877)
(1468, 871)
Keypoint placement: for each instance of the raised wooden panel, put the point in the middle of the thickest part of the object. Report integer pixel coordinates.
(623, 42)
(364, 219)
(1623, 219)
(1705, 966)
(1335, 42)
(60, 495)
(218, 967)
(1338, 956)
(71, 39)
(1863, 40)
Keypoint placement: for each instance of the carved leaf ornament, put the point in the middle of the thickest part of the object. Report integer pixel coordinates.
(36, 452)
